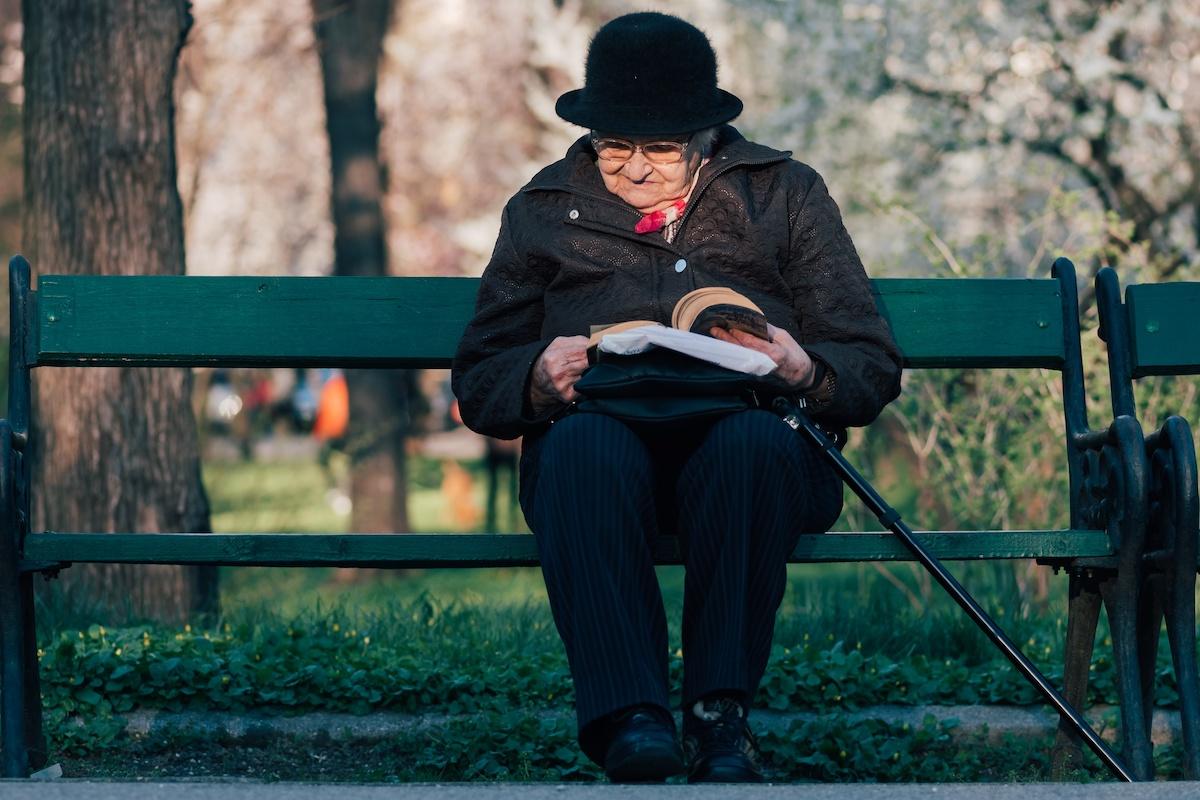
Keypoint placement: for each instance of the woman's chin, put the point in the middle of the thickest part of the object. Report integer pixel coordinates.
(635, 196)
(644, 200)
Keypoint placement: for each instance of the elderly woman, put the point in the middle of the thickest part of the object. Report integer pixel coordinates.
(659, 199)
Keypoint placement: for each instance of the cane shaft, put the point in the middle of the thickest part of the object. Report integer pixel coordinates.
(795, 417)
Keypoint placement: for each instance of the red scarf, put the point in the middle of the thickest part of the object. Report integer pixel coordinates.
(657, 220)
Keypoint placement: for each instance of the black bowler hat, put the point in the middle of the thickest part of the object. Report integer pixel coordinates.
(649, 74)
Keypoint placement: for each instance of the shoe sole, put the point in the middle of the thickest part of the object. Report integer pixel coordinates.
(646, 765)
(724, 769)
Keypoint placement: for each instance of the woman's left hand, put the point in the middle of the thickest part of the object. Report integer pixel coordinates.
(794, 364)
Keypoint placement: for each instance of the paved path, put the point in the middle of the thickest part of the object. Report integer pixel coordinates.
(92, 790)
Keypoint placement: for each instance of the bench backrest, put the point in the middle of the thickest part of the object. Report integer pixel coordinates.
(1155, 331)
(1164, 328)
(417, 322)
(90, 320)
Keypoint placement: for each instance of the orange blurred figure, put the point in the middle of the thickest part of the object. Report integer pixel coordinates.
(333, 409)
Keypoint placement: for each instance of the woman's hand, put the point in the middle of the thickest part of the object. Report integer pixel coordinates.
(555, 372)
(794, 364)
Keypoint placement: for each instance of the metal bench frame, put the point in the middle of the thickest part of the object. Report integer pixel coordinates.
(152, 321)
(1156, 331)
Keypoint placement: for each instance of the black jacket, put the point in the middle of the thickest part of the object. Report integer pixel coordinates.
(758, 222)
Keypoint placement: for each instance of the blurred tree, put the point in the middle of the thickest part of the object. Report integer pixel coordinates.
(10, 129)
(10, 150)
(248, 208)
(350, 41)
(1098, 88)
(115, 449)
(974, 115)
(467, 101)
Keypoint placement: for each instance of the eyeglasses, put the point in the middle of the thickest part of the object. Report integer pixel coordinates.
(621, 150)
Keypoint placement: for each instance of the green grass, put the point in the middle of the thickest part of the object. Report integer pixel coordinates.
(250, 497)
(296, 496)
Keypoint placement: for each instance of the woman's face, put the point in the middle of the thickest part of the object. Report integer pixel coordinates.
(646, 185)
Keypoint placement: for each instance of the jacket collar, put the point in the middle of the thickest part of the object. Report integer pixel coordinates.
(577, 171)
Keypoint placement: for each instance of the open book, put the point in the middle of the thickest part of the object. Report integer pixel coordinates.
(695, 314)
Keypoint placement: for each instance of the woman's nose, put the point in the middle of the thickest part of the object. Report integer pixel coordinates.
(637, 167)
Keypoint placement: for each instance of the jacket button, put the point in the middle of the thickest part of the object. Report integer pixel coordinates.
(680, 265)
(574, 213)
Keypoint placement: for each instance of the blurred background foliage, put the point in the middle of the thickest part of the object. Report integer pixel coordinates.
(960, 138)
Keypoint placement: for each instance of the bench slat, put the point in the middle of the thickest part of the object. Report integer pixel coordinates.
(484, 550)
(417, 322)
(1164, 326)
(985, 322)
(242, 321)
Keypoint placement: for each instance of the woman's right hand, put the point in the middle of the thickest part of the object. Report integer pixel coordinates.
(555, 372)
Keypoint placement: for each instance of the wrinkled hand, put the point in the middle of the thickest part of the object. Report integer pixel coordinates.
(793, 364)
(555, 372)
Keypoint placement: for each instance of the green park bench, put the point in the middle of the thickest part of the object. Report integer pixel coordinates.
(1156, 331)
(415, 322)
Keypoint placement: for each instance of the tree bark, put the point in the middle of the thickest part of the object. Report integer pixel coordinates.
(116, 449)
(350, 40)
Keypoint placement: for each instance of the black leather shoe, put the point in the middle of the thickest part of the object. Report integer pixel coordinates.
(720, 746)
(643, 747)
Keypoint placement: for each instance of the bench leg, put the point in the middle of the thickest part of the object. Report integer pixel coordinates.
(1082, 617)
(1179, 487)
(1150, 620)
(1181, 632)
(15, 761)
(1120, 593)
(35, 737)
(14, 758)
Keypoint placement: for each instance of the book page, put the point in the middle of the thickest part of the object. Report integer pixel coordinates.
(599, 331)
(714, 351)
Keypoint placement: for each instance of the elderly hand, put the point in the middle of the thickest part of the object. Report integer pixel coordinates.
(555, 372)
(793, 364)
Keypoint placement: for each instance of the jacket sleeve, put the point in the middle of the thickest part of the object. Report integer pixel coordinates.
(491, 369)
(839, 321)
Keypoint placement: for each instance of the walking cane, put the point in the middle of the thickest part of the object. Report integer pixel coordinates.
(794, 415)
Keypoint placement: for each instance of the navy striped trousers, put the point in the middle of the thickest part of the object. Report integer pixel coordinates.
(738, 492)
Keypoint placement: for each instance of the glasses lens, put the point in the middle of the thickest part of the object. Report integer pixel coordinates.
(663, 152)
(614, 149)
(622, 150)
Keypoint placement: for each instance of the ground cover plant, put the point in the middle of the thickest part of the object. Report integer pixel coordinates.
(467, 657)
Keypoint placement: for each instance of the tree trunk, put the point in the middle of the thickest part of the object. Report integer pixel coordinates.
(350, 39)
(116, 449)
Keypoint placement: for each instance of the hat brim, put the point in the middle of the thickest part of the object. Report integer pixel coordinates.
(575, 107)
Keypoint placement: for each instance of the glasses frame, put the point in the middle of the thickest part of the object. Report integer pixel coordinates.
(636, 148)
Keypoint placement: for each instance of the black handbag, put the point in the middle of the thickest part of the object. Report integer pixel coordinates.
(664, 389)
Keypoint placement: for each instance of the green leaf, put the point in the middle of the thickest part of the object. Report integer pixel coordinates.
(121, 672)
